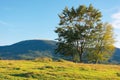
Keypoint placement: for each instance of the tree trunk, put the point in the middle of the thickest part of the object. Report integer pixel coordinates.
(81, 52)
(80, 57)
(96, 61)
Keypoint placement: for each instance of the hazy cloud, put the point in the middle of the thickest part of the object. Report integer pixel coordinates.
(109, 10)
(117, 43)
(3, 23)
(6, 24)
(116, 15)
(116, 20)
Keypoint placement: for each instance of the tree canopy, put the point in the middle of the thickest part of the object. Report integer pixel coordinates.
(82, 34)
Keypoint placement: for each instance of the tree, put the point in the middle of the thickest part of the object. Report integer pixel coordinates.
(77, 31)
(103, 40)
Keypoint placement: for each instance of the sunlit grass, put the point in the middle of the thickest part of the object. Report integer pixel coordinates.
(35, 70)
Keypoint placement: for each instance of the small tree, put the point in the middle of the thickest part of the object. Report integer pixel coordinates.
(105, 46)
(103, 41)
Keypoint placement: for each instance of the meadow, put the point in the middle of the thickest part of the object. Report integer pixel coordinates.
(54, 70)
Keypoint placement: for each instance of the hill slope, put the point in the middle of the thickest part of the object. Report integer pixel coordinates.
(116, 56)
(28, 49)
(31, 49)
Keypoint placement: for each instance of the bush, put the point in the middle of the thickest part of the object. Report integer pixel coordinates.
(16, 68)
(61, 60)
(43, 59)
(0, 58)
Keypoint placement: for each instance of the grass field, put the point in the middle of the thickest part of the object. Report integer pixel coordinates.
(34, 70)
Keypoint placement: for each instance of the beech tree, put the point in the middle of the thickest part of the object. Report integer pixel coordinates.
(78, 32)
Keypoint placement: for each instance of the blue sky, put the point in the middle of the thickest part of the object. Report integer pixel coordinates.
(37, 19)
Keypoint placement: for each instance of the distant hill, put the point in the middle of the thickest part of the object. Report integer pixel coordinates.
(31, 49)
(116, 56)
(28, 49)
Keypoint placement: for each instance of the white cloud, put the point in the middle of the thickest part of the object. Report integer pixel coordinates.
(117, 44)
(116, 24)
(117, 38)
(116, 20)
(116, 15)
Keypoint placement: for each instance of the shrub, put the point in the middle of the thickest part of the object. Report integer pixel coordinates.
(43, 59)
(0, 58)
(61, 60)
(16, 68)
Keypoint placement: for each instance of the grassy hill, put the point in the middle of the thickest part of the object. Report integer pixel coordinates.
(34, 70)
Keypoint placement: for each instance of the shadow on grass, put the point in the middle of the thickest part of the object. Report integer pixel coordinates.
(34, 75)
(27, 75)
(118, 74)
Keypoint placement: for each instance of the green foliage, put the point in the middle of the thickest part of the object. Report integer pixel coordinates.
(35, 54)
(81, 31)
(103, 43)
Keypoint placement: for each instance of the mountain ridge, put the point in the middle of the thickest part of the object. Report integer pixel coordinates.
(30, 49)
(27, 46)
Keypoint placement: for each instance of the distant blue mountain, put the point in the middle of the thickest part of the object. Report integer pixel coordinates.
(28, 49)
(116, 56)
(31, 49)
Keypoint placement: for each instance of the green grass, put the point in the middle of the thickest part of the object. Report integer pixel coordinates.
(35, 70)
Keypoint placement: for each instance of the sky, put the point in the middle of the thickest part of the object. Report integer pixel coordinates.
(37, 19)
